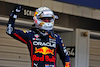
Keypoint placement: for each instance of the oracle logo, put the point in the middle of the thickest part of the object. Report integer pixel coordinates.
(45, 44)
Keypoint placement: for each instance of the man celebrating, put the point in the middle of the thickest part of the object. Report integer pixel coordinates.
(42, 42)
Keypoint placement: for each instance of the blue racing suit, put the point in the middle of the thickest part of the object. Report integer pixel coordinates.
(42, 49)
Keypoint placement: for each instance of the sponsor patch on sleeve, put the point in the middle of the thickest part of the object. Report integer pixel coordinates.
(67, 64)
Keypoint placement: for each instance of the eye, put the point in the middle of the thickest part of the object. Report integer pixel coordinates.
(46, 19)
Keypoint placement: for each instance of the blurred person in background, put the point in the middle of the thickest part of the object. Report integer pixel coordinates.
(42, 42)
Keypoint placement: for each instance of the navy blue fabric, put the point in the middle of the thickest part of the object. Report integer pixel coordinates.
(42, 49)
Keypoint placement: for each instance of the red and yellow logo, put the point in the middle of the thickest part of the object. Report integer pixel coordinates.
(67, 64)
(44, 50)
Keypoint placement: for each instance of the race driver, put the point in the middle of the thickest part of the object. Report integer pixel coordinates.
(42, 42)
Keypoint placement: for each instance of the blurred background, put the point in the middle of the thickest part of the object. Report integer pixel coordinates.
(78, 25)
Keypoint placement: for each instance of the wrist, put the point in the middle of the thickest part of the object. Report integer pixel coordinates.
(13, 15)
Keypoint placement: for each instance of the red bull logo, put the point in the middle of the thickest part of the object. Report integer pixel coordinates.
(47, 58)
(44, 50)
(35, 58)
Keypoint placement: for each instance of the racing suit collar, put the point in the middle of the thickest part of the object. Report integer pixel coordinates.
(43, 32)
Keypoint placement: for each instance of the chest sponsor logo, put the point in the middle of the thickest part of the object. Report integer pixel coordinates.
(44, 50)
(44, 58)
(50, 44)
(36, 35)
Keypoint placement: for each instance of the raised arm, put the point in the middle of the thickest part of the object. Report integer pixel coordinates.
(17, 34)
